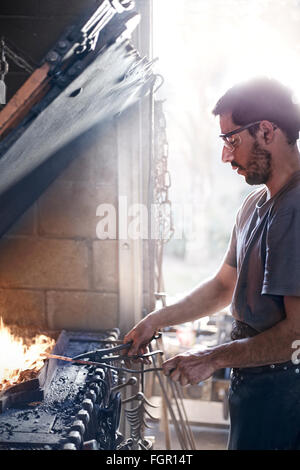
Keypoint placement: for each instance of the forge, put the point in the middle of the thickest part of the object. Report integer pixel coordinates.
(67, 405)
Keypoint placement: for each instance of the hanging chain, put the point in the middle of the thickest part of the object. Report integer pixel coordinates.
(162, 183)
(162, 178)
(5, 50)
(3, 72)
(3, 62)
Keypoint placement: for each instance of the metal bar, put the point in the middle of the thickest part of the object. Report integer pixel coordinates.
(179, 391)
(100, 364)
(103, 354)
(174, 420)
(130, 260)
(182, 422)
(100, 352)
(169, 406)
(102, 10)
(165, 421)
(176, 388)
(103, 22)
(138, 356)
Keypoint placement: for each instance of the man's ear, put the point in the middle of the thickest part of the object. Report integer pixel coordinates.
(267, 130)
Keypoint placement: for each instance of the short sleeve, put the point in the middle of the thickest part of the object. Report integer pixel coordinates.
(230, 257)
(282, 266)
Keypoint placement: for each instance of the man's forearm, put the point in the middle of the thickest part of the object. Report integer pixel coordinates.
(273, 346)
(210, 297)
(270, 347)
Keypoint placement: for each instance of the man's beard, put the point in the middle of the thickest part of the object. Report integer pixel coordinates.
(258, 169)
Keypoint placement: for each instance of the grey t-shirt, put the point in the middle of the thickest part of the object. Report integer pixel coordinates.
(265, 249)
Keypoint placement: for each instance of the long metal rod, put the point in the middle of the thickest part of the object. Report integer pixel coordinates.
(119, 357)
(174, 420)
(101, 364)
(190, 432)
(184, 426)
(102, 10)
(164, 410)
(169, 406)
(177, 395)
(103, 22)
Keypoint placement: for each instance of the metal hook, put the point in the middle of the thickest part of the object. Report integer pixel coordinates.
(131, 381)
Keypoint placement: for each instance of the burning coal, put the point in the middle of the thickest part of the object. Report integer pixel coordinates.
(21, 357)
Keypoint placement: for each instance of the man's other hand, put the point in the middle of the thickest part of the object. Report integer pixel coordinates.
(190, 367)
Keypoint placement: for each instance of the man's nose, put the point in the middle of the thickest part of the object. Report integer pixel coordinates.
(227, 156)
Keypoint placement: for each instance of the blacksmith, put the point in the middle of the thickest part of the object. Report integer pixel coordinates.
(259, 277)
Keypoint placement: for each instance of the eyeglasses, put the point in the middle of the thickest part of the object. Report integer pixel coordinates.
(231, 140)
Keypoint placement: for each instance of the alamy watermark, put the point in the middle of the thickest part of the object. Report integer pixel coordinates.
(137, 221)
(296, 354)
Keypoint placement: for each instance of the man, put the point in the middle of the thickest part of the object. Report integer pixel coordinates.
(260, 275)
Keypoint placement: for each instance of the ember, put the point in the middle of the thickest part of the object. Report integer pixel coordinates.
(20, 358)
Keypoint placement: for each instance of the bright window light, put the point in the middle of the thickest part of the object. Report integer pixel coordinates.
(204, 47)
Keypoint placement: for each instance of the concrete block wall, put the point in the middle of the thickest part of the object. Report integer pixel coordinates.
(54, 272)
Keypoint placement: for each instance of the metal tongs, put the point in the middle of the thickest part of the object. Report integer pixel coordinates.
(100, 357)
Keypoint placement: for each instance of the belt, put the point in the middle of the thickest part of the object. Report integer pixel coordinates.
(268, 368)
(241, 330)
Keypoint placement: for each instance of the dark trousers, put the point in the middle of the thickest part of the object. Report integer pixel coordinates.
(264, 406)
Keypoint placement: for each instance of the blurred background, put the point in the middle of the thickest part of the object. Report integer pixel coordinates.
(204, 47)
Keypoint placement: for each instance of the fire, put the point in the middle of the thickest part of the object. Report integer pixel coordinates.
(20, 359)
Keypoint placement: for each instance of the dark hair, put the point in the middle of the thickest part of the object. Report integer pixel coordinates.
(259, 99)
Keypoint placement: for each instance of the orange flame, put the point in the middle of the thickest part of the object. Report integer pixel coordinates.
(18, 361)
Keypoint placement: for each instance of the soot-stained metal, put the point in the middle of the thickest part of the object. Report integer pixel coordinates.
(92, 73)
(78, 407)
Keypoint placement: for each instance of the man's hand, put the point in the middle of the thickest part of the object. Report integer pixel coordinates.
(140, 336)
(190, 367)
